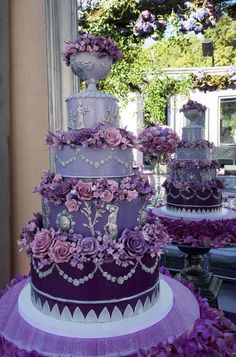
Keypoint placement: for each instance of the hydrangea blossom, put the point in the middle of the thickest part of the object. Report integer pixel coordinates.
(157, 140)
(95, 44)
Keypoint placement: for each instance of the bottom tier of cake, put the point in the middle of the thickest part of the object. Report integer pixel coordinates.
(97, 293)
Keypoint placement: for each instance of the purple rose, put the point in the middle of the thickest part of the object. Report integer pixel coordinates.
(72, 205)
(61, 188)
(84, 190)
(106, 196)
(88, 246)
(134, 243)
(112, 136)
(41, 243)
(61, 251)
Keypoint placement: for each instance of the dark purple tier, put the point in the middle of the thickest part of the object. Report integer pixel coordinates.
(209, 200)
(86, 162)
(110, 218)
(95, 293)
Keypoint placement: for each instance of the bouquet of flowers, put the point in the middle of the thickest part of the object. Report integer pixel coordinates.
(158, 140)
(193, 105)
(94, 44)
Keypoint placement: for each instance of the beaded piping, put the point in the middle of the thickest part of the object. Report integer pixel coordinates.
(94, 164)
(181, 195)
(106, 275)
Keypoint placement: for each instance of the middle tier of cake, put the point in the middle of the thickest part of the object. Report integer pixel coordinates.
(102, 206)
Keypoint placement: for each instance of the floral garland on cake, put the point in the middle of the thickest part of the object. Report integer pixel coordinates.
(191, 164)
(198, 144)
(92, 138)
(93, 44)
(193, 185)
(204, 233)
(212, 334)
(54, 246)
(158, 140)
(57, 190)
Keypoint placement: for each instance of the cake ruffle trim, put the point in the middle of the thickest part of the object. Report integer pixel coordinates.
(203, 233)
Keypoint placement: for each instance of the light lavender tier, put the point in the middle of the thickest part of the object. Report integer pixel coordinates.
(201, 174)
(86, 162)
(194, 153)
(92, 108)
(193, 133)
(97, 293)
(108, 218)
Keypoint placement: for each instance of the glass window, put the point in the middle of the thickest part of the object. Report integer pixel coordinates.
(228, 121)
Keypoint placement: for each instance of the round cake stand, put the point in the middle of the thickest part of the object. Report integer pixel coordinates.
(15, 330)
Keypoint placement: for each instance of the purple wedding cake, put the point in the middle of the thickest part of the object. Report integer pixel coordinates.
(191, 186)
(94, 254)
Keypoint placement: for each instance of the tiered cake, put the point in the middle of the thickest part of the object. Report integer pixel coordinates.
(94, 257)
(192, 186)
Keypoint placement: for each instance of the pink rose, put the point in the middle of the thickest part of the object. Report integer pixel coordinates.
(131, 195)
(84, 190)
(72, 205)
(41, 243)
(106, 196)
(112, 136)
(60, 251)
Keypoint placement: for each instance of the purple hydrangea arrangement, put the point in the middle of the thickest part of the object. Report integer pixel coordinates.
(49, 246)
(57, 189)
(193, 105)
(94, 44)
(93, 138)
(158, 140)
(204, 233)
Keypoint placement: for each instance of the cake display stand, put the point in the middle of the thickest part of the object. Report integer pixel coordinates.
(194, 271)
(111, 339)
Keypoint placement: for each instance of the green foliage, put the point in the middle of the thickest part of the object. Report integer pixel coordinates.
(224, 38)
(141, 69)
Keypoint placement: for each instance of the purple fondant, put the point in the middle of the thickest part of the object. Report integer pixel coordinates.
(201, 174)
(127, 216)
(97, 288)
(90, 109)
(194, 153)
(193, 133)
(87, 162)
(209, 199)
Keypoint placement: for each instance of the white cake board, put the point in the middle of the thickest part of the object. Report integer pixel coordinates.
(96, 330)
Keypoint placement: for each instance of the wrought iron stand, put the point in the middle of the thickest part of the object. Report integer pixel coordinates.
(195, 273)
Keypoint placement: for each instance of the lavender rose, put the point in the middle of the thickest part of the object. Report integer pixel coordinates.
(41, 243)
(72, 205)
(106, 196)
(88, 246)
(134, 243)
(60, 251)
(84, 190)
(112, 136)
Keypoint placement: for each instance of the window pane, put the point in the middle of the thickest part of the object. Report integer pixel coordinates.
(228, 121)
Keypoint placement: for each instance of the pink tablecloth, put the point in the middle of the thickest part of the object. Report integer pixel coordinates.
(14, 329)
